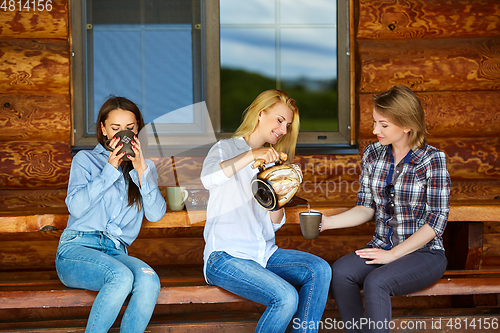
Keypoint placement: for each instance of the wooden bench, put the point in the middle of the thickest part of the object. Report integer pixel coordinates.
(184, 285)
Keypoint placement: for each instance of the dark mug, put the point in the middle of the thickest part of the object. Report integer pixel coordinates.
(310, 224)
(126, 137)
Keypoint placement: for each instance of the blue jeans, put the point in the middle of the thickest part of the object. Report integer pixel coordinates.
(410, 273)
(90, 260)
(275, 287)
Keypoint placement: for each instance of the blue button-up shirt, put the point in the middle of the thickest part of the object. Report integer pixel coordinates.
(97, 197)
(422, 193)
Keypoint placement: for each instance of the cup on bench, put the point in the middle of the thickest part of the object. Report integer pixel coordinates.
(310, 224)
(176, 197)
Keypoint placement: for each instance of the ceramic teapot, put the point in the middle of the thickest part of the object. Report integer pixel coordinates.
(274, 187)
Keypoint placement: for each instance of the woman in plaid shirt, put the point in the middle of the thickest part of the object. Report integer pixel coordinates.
(405, 184)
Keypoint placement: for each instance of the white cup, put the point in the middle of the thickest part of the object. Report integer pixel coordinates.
(176, 196)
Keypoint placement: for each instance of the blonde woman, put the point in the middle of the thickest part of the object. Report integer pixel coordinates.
(405, 184)
(240, 252)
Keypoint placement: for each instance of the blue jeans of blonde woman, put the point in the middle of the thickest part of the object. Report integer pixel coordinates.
(410, 273)
(294, 284)
(90, 260)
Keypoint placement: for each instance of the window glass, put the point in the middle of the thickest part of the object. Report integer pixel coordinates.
(296, 51)
(147, 51)
(247, 12)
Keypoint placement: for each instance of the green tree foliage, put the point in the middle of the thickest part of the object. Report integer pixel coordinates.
(317, 107)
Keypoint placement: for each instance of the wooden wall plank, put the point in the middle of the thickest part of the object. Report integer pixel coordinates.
(35, 118)
(468, 158)
(386, 19)
(29, 165)
(53, 23)
(491, 247)
(471, 113)
(471, 158)
(42, 201)
(33, 201)
(32, 223)
(470, 191)
(474, 166)
(157, 252)
(34, 67)
(428, 65)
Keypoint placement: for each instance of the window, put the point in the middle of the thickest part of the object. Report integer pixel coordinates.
(168, 54)
(148, 51)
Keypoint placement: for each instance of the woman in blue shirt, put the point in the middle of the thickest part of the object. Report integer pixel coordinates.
(405, 184)
(240, 252)
(107, 200)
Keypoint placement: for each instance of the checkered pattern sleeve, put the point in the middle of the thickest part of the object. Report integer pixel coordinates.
(438, 192)
(365, 195)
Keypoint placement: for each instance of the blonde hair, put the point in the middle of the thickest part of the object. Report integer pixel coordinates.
(264, 101)
(403, 108)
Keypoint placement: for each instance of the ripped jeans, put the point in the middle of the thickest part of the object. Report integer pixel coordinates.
(90, 260)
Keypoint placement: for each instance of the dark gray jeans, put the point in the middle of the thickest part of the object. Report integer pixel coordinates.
(407, 274)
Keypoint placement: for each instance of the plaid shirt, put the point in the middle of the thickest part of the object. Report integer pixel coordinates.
(422, 193)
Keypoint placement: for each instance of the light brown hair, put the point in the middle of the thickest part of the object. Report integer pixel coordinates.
(403, 108)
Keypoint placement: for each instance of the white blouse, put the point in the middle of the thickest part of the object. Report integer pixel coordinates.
(236, 223)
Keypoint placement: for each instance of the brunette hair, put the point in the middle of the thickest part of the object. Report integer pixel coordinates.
(121, 103)
(403, 108)
(264, 101)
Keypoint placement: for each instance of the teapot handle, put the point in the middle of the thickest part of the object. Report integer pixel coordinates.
(260, 163)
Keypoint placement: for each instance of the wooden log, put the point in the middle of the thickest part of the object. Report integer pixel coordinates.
(472, 113)
(492, 227)
(461, 286)
(382, 19)
(39, 252)
(33, 165)
(427, 65)
(471, 158)
(175, 225)
(35, 118)
(34, 67)
(40, 201)
(491, 246)
(35, 23)
(468, 191)
(33, 201)
(336, 176)
(30, 223)
(467, 158)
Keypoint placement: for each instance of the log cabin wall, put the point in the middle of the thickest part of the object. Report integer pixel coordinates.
(448, 52)
(35, 108)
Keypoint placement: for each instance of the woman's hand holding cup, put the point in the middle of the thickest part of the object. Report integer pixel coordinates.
(114, 157)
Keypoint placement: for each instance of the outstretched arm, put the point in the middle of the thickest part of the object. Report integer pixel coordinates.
(351, 218)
